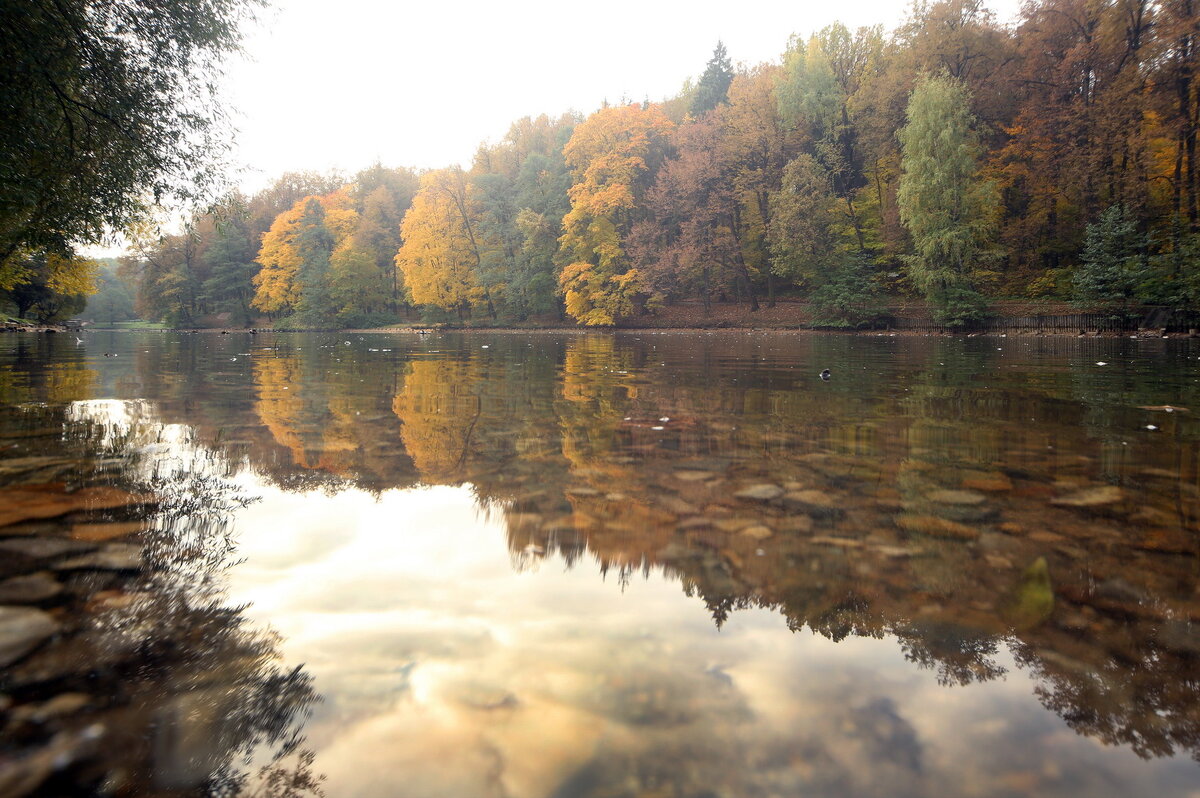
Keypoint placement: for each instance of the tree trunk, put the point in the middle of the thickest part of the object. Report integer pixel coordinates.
(744, 273)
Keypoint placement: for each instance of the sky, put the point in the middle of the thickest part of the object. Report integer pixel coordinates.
(344, 84)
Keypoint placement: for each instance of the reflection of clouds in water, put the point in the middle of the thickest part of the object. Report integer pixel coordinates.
(447, 674)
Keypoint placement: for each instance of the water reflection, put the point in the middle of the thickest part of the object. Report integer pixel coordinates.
(1001, 513)
(143, 680)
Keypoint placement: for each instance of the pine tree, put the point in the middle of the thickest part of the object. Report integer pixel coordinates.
(714, 83)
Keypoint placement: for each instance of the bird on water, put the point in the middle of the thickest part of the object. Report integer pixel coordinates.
(825, 375)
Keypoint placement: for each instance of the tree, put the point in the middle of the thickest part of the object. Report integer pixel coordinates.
(691, 238)
(113, 300)
(107, 106)
(521, 184)
(378, 238)
(440, 255)
(948, 208)
(613, 155)
(229, 260)
(277, 288)
(1113, 262)
(714, 83)
(803, 242)
(53, 287)
(164, 269)
(314, 245)
(847, 297)
(295, 257)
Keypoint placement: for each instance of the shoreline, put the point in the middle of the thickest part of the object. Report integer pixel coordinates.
(572, 330)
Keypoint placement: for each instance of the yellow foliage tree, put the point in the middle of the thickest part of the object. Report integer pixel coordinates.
(440, 255)
(612, 155)
(278, 284)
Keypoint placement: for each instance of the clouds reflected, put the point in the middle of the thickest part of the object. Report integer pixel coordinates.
(448, 672)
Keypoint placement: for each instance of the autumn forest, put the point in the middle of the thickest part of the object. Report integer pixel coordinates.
(954, 159)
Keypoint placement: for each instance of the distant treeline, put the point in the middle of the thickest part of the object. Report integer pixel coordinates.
(953, 158)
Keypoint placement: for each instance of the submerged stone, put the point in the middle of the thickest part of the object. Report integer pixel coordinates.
(936, 527)
(966, 498)
(1091, 498)
(29, 589)
(816, 502)
(114, 557)
(23, 629)
(39, 548)
(100, 532)
(51, 501)
(759, 493)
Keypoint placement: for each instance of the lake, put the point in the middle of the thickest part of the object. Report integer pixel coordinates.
(588, 565)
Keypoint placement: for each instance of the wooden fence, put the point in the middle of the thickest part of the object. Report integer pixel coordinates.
(1152, 319)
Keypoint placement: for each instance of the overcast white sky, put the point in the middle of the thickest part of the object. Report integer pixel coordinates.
(342, 84)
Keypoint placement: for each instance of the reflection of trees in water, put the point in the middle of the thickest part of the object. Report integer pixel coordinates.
(187, 695)
(439, 407)
(559, 431)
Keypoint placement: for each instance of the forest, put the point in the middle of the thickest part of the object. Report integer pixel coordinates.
(954, 159)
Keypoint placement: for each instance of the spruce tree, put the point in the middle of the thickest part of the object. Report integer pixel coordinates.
(714, 83)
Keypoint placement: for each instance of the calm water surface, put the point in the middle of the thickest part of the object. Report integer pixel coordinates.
(557, 565)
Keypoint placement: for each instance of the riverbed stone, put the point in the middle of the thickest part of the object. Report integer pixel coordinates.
(688, 475)
(1104, 496)
(763, 492)
(22, 629)
(989, 483)
(41, 548)
(58, 707)
(676, 505)
(796, 523)
(23, 470)
(757, 532)
(51, 501)
(104, 531)
(840, 542)
(114, 557)
(814, 502)
(29, 588)
(961, 498)
(936, 527)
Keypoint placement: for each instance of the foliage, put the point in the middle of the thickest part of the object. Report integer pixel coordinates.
(848, 297)
(295, 258)
(713, 87)
(1114, 264)
(611, 154)
(107, 106)
(949, 210)
(230, 268)
(440, 255)
(52, 287)
(802, 237)
(113, 300)
(754, 181)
